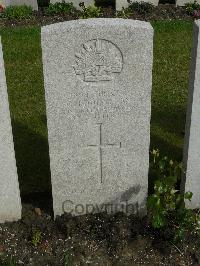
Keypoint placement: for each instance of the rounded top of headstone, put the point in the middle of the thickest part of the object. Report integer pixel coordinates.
(95, 23)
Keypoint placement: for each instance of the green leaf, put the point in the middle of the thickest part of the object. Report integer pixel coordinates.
(172, 205)
(153, 201)
(171, 180)
(158, 220)
(188, 195)
(159, 187)
(179, 236)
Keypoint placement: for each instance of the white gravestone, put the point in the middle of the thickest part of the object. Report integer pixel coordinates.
(32, 3)
(10, 203)
(120, 4)
(183, 2)
(191, 180)
(98, 80)
(76, 2)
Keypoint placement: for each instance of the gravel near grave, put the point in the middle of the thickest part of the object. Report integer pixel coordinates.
(98, 239)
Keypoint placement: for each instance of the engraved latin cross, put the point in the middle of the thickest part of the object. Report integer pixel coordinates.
(101, 146)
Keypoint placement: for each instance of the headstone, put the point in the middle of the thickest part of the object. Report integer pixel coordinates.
(32, 3)
(98, 80)
(76, 2)
(10, 203)
(191, 180)
(120, 4)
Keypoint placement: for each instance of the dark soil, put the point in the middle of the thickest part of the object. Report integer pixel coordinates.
(161, 12)
(99, 239)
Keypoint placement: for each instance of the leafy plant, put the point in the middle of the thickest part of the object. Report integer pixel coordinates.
(166, 205)
(67, 258)
(60, 8)
(124, 13)
(18, 12)
(36, 238)
(142, 8)
(191, 7)
(90, 12)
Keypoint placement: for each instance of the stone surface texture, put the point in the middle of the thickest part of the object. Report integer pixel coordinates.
(191, 158)
(124, 3)
(76, 2)
(98, 80)
(183, 2)
(121, 4)
(10, 203)
(32, 3)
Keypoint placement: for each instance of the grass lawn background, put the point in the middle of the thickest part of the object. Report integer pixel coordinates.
(22, 55)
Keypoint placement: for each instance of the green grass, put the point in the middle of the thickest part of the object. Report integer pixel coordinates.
(172, 49)
(22, 54)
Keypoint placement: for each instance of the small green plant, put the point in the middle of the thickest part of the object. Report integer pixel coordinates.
(142, 8)
(91, 12)
(191, 7)
(124, 13)
(36, 238)
(166, 205)
(66, 258)
(17, 12)
(60, 8)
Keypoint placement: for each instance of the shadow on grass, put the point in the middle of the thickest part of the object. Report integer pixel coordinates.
(32, 156)
(171, 150)
(167, 131)
(173, 121)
